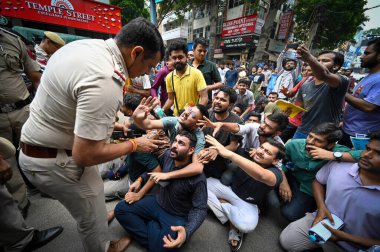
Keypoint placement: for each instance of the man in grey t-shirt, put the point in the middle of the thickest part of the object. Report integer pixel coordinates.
(323, 96)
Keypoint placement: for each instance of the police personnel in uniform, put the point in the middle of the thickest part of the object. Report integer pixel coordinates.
(14, 101)
(15, 234)
(72, 117)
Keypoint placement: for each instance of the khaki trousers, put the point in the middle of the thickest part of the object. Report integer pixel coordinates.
(10, 128)
(15, 234)
(79, 189)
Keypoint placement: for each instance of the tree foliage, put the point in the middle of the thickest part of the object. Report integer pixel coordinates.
(373, 31)
(131, 9)
(338, 20)
(178, 7)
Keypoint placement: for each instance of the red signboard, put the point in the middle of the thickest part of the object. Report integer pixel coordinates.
(82, 14)
(239, 26)
(285, 24)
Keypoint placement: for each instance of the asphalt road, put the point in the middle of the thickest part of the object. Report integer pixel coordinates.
(211, 236)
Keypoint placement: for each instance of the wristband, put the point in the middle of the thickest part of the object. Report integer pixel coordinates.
(134, 145)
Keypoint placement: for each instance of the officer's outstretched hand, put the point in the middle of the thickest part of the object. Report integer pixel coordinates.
(148, 145)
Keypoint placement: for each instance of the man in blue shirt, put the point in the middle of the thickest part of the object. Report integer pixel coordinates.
(167, 221)
(362, 114)
(231, 76)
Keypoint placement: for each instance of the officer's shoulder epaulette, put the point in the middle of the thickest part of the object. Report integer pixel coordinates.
(9, 33)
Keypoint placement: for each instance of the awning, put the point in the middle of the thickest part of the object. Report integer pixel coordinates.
(36, 35)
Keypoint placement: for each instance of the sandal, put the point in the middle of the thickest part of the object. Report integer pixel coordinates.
(234, 235)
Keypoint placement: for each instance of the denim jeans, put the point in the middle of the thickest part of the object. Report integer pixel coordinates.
(300, 203)
(147, 222)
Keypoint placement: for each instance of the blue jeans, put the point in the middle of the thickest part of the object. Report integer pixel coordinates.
(147, 222)
(300, 203)
(300, 135)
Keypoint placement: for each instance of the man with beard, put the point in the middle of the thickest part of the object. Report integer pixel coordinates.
(303, 159)
(286, 78)
(254, 134)
(168, 220)
(351, 192)
(186, 84)
(322, 96)
(362, 114)
(222, 104)
(186, 121)
(239, 202)
(209, 70)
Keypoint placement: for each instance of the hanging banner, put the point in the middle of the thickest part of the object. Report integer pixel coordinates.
(285, 24)
(82, 14)
(240, 26)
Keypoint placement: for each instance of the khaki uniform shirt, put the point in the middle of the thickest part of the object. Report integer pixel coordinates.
(14, 61)
(80, 93)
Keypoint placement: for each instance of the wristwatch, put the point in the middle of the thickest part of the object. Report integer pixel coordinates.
(338, 156)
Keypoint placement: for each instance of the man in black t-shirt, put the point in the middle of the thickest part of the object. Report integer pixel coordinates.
(223, 101)
(239, 203)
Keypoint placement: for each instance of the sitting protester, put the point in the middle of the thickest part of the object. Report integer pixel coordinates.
(352, 193)
(239, 203)
(167, 220)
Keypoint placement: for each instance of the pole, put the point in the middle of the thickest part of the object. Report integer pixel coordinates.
(153, 16)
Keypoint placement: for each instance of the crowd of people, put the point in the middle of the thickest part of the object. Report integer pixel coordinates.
(171, 142)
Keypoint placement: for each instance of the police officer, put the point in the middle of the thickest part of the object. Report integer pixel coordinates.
(15, 100)
(15, 234)
(72, 117)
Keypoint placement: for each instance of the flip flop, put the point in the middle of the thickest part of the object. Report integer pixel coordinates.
(235, 236)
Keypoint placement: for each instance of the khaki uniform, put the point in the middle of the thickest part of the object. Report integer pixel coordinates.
(15, 234)
(14, 100)
(79, 94)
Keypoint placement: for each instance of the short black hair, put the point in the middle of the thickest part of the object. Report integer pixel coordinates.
(376, 44)
(240, 106)
(177, 45)
(245, 81)
(200, 41)
(260, 100)
(203, 110)
(338, 57)
(190, 136)
(330, 130)
(273, 93)
(230, 92)
(281, 148)
(141, 32)
(281, 120)
(255, 114)
(374, 135)
(131, 100)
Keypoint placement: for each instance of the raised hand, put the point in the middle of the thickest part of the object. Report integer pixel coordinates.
(222, 151)
(206, 123)
(146, 105)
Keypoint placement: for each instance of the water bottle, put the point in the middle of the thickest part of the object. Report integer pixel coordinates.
(159, 112)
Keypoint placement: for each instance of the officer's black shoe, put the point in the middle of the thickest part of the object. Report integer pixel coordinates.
(41, 238)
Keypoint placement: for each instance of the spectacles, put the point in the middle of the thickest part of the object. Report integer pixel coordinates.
(190, 111)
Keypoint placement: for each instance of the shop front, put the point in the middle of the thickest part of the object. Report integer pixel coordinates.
(75, 18)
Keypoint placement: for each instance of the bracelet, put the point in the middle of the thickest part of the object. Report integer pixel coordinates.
(134, 145)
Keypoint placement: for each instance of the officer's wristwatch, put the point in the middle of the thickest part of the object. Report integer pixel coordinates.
(338, 156)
